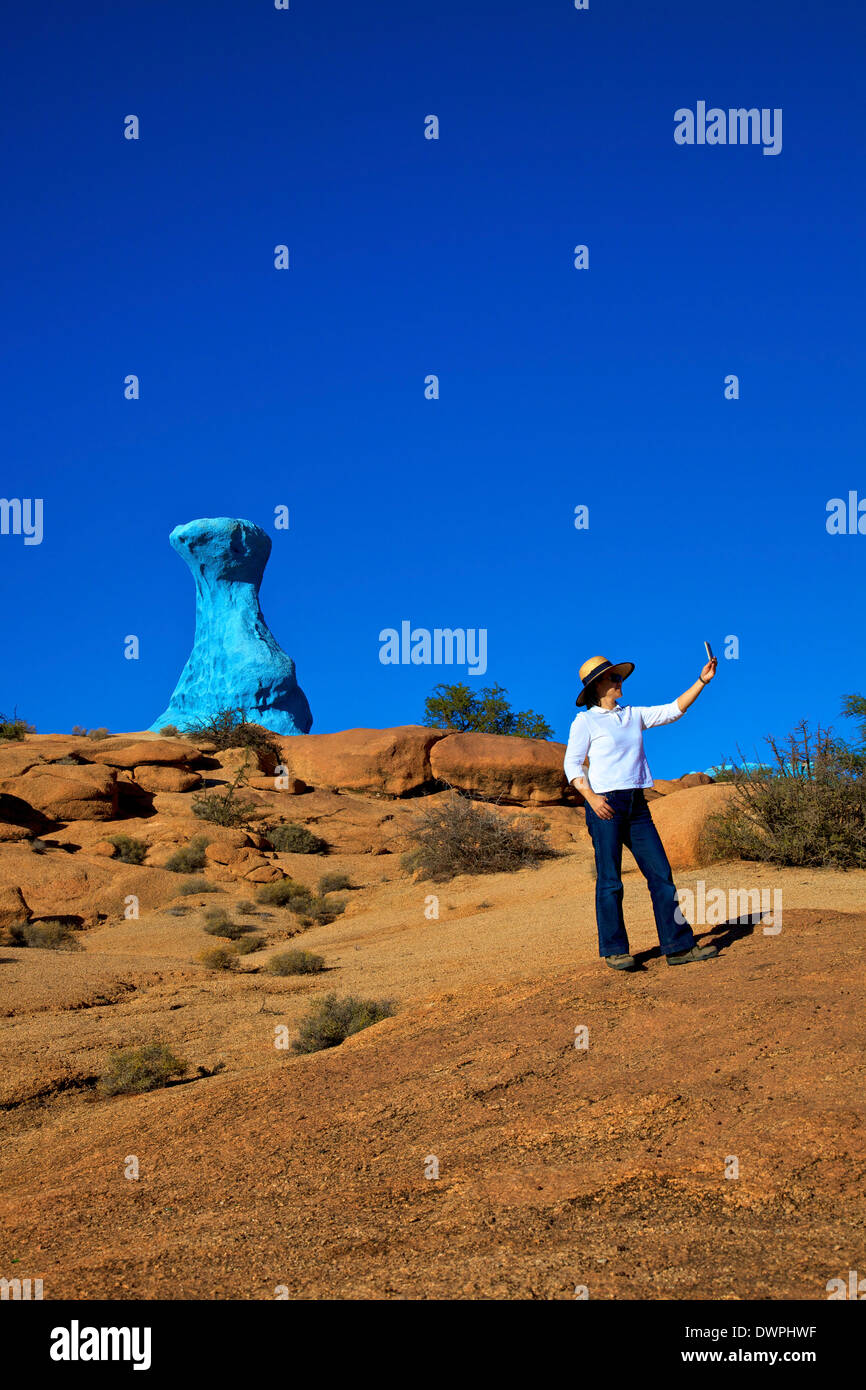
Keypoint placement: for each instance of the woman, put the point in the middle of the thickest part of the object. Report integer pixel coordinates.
(611, 736)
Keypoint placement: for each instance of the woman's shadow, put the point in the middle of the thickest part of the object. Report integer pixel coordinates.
(721, 936)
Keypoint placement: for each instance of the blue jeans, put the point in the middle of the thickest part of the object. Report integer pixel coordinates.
(632, 825)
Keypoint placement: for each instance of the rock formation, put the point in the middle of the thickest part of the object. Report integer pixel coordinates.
(235, 661)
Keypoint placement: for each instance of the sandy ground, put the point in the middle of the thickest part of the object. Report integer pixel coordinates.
(558, 1166)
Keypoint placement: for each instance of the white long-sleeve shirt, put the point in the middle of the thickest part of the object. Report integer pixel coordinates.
(612, 739)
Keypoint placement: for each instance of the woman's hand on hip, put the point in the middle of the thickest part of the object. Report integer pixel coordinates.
(602, 808)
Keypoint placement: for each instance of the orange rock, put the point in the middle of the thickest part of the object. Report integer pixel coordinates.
(496, 767)
(393, 761)
(104, 848)
(152, 752)
(255, 760)
(694, 779)
(66, 791)
(10, 833)
(166, 779)
(680, 821)
(13, 908)
(268, 873)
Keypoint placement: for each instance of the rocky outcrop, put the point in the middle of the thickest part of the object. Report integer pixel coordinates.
(394, 762)
(63, 791)
(13, 908)
(681, 821)
(236, 661)
(494, 767)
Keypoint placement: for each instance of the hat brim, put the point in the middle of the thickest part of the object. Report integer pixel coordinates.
(622, 668)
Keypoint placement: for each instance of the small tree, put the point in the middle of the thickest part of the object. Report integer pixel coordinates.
(461, 710)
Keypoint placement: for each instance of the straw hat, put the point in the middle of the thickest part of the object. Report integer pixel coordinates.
(600, 666)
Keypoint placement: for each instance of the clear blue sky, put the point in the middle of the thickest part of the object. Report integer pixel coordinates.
(558, 387)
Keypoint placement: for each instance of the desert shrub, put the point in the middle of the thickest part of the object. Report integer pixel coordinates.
(285, 892)
(461, 709)
(189, 859)
(129, 851)
(309, 907)
(807, 808)
(15, 729)
(295, 963)
(295, 839)
(197, 885)
(177, 910)
(332, 883)
(219, 958)
(136, 1069)
(223, 808)
(47, 936)
(246, 908)
(244, 945)
(321, 911)
(332, 1020)
(218, 923)
(80, 732)
(170, 731)
(460, 837)
(230, 728)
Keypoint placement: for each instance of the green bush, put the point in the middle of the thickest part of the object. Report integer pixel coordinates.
(218, 923)
(46, 936)
(244, 945)
(807, 809)
(129, 851)
(321, 911)
(332, 883)
(332, 1020)
(458, 708)
(197, 885)
(189, 859)
(288, 838)
(170, 731)
(285, 892)
(219, 958)
(15, 729)
(305, 904)
(295, 963)
(137, 1069)
(458, 836)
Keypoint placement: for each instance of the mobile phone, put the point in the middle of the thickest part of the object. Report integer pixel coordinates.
(709, 651)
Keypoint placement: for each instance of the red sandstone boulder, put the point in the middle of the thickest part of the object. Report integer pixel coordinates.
(496, 767)
(152, 752)
(166, 779)
(681, 821)
(67, 791)
(13, 908)
(391, 761)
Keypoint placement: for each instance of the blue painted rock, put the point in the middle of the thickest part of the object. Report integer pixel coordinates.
(236, 662)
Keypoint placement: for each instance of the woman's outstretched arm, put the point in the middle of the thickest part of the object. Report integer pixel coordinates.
(689, 696)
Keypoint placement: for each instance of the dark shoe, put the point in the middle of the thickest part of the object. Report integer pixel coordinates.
(696, 953)
(621, 962)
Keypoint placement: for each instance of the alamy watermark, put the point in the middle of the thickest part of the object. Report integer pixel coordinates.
(711, 908)
(22, 516)
(736, 126)
(444, 646)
